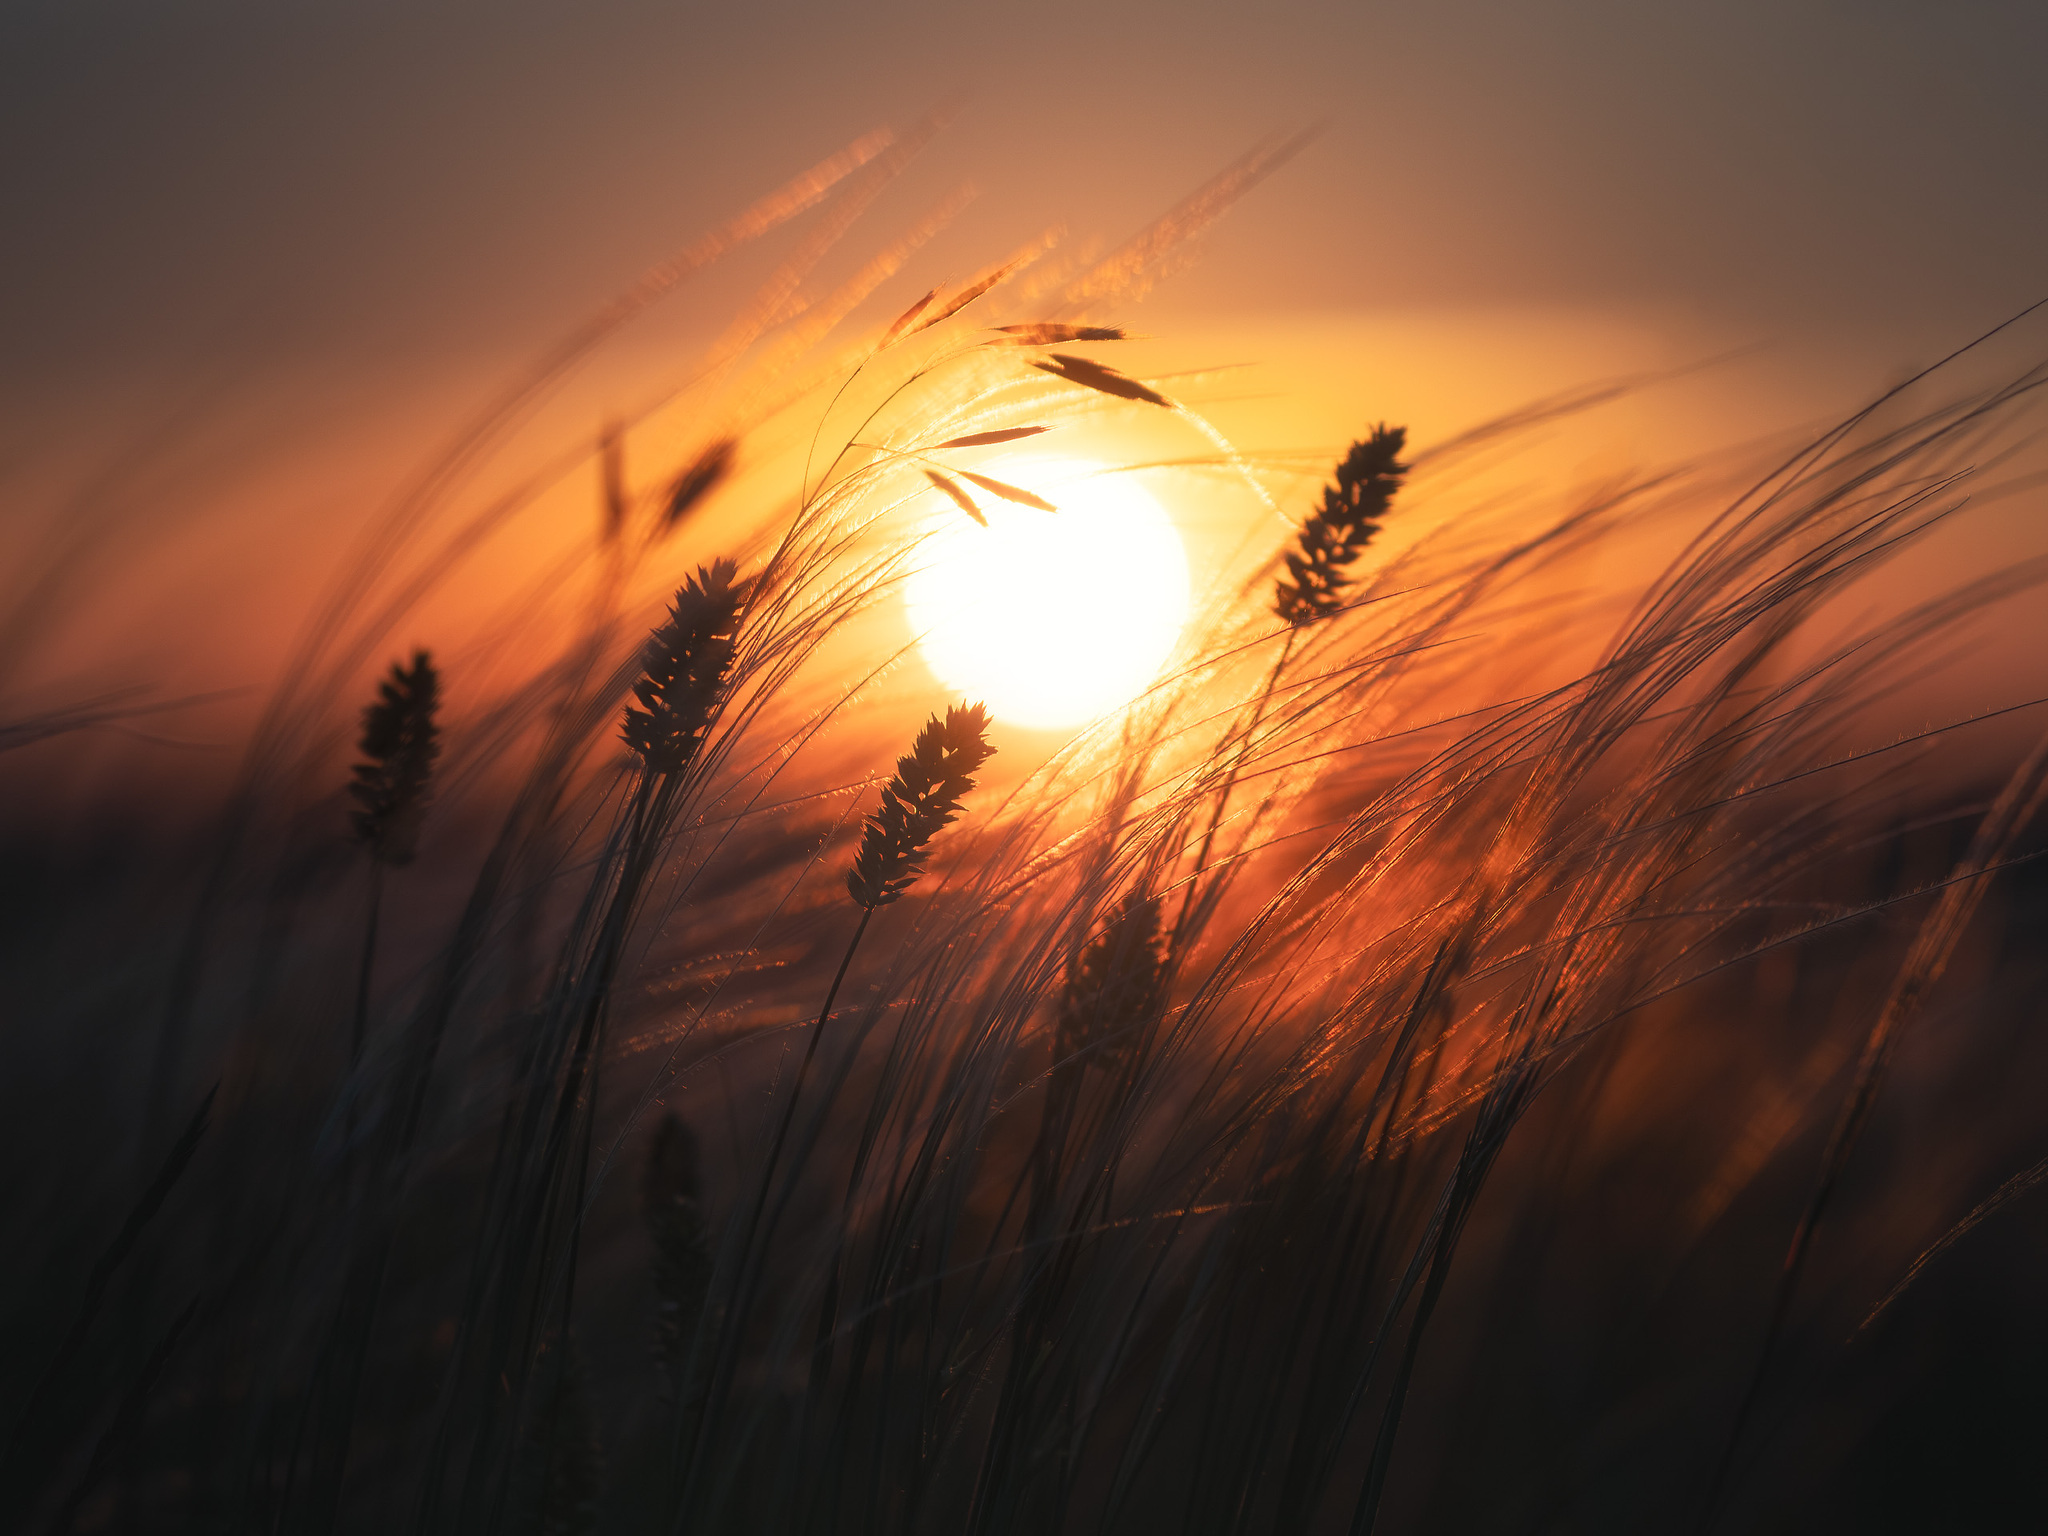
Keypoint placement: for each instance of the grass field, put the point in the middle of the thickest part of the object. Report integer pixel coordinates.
(1475, 1044)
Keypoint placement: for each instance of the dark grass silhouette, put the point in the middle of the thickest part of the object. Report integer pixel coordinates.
(1369, 1083)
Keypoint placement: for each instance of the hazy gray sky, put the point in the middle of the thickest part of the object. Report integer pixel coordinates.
(228, 181)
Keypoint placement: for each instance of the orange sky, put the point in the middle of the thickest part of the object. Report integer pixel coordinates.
(259, 263)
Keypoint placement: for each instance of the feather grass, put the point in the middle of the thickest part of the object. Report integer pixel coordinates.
(1080, 1218)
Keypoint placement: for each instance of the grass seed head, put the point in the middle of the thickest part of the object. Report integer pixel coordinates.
(687, 661)
(1338, 531)
(959, 496)
(611, 463)
(699, 478)
(1048, 333)
(983, 439)
(1009, 492)
(1116, 986)
(967, 295)
(1100, 378)
(908, 318)
(399, 743)
(923, 796)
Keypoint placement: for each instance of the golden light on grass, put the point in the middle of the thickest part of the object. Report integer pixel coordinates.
(1052, 617)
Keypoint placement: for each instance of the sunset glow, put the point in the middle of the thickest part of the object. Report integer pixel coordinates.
(1051, 618)
(1159, 768)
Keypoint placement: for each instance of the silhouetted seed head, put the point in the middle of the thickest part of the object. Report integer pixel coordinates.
(923, 796)
(908, 318)
(958, 493)
(1116, 986)
(611, 459)
(931, 309)
(687, 659)
(699, 479)
(1049, 333)
(1338, 531)
(982, 439)
(1009, 492)
(672, 1203)
(400, 742)
(952, 306)
(1097, 376)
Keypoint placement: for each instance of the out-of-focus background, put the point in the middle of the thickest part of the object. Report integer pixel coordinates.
(258, 259)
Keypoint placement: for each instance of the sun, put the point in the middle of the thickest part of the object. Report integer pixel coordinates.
(1050, 618)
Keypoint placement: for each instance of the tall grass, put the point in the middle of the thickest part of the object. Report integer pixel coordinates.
(1129, 1176)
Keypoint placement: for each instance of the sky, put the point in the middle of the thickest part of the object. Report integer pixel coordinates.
(332, 226)
(244, 180)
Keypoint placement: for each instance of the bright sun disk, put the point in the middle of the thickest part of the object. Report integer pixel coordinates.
(1051, 618)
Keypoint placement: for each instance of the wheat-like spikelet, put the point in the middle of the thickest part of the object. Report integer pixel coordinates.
(958, 495)
(698, 479)
(1338, 531)
(400, 742)
(1000, 435)
(1047, 333)
(1101, 378)
(1332, 538)
(1115, 986)
(687, 659)
(922, 797)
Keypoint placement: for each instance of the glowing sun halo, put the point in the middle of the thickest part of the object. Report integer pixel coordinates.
(1051, 618)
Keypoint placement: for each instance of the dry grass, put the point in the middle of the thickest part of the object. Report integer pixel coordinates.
(1069, 1217)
